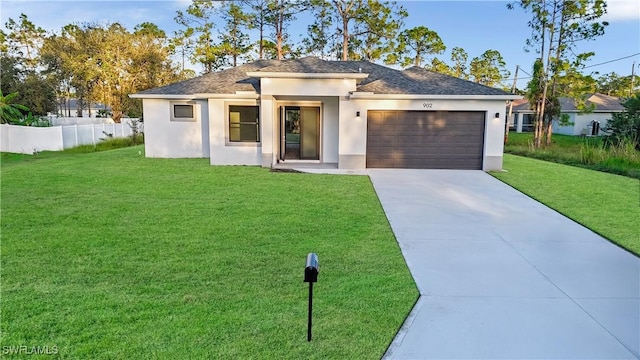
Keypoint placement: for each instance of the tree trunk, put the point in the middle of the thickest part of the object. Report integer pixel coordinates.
(345, 39)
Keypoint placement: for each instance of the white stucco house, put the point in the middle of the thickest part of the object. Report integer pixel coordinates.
(602, 108)
(349, 114)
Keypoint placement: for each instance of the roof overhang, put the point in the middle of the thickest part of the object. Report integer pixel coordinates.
(289, 75)
(373, 96)
(239, 95)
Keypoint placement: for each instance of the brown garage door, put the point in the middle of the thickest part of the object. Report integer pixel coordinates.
(425, 139)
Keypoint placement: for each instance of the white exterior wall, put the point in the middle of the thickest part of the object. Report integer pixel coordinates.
(175, 139)
(353, 130)
(268, 129)
(582, 121)
(277, 91)
(306, 87)
(330, 129)
(223, 152)
(343, 134)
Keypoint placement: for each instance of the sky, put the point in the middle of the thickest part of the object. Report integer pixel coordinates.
(476, 26)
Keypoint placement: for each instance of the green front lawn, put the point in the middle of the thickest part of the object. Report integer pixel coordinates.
(606, 203)
(112, 255)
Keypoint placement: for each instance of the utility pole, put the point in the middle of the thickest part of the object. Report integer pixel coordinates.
(513, 90)
(633, 78)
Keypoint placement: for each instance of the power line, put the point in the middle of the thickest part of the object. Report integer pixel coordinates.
(610, 61)
(525, 72)
(586, 67)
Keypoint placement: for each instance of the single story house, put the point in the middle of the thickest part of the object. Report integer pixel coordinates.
(69, 108)
(350, 114)
(603, 107)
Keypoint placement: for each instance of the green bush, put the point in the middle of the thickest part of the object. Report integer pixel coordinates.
(625, 127)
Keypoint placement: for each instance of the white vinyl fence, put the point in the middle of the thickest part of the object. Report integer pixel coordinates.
(60, 120)
(29, 140)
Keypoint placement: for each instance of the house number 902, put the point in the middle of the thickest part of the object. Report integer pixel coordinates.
(427, 105)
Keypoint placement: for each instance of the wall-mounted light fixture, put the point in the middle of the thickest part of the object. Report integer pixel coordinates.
(358, 113)
(497, 115)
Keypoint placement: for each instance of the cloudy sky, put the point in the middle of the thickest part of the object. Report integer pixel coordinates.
(473, 25)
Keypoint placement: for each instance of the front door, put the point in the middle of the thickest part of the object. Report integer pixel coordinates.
(299, 133)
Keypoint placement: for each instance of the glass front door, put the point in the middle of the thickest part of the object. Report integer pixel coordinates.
(299, 133)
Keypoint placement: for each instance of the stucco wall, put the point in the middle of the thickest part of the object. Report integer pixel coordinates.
(174, 139)
(582, 121)
(306, 87)
(330, 129)
(223, 152)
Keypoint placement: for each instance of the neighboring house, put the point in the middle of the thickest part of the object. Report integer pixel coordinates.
(69, 108)
(353, 114)
(604, 106)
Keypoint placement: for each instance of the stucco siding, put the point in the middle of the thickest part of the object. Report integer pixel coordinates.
(173, 139)
(306, 87)
(583, 121)
(330, 129)
(223, 152)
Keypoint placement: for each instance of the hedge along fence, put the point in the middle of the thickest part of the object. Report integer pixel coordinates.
(29, 140)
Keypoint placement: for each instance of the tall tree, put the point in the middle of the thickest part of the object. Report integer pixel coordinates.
(106, 63)
(376, 28)
(489, 69)
(198, 20)
(182, 44)
(24, 40)
(319, 36)
(417, 43)
(459, 57)
(279, 15)
(616, 85)
(258, 12)
(20, 53)
(364, 29)
(439, 66)
(557, 25)
(234, 41)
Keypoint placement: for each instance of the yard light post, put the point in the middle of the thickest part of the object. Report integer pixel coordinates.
(311, 275)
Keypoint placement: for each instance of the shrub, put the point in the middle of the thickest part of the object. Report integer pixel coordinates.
(592, 152)
(625, 127)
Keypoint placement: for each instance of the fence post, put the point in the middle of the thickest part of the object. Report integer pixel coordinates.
(61, 137)
(93, 133)
(75, 127)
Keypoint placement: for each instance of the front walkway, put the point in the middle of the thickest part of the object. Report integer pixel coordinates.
(502, 276)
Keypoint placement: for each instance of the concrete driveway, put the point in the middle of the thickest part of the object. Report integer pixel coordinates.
(502, 276)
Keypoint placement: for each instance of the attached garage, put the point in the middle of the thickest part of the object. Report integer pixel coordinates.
(425, 139)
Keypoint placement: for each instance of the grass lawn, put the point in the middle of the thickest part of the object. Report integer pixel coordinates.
(571, 150)
(112, 255)
(606, 203)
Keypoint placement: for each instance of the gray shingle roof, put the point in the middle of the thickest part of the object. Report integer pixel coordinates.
(222, 82)
(381, 79)
(602, 102)
(308, 65)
